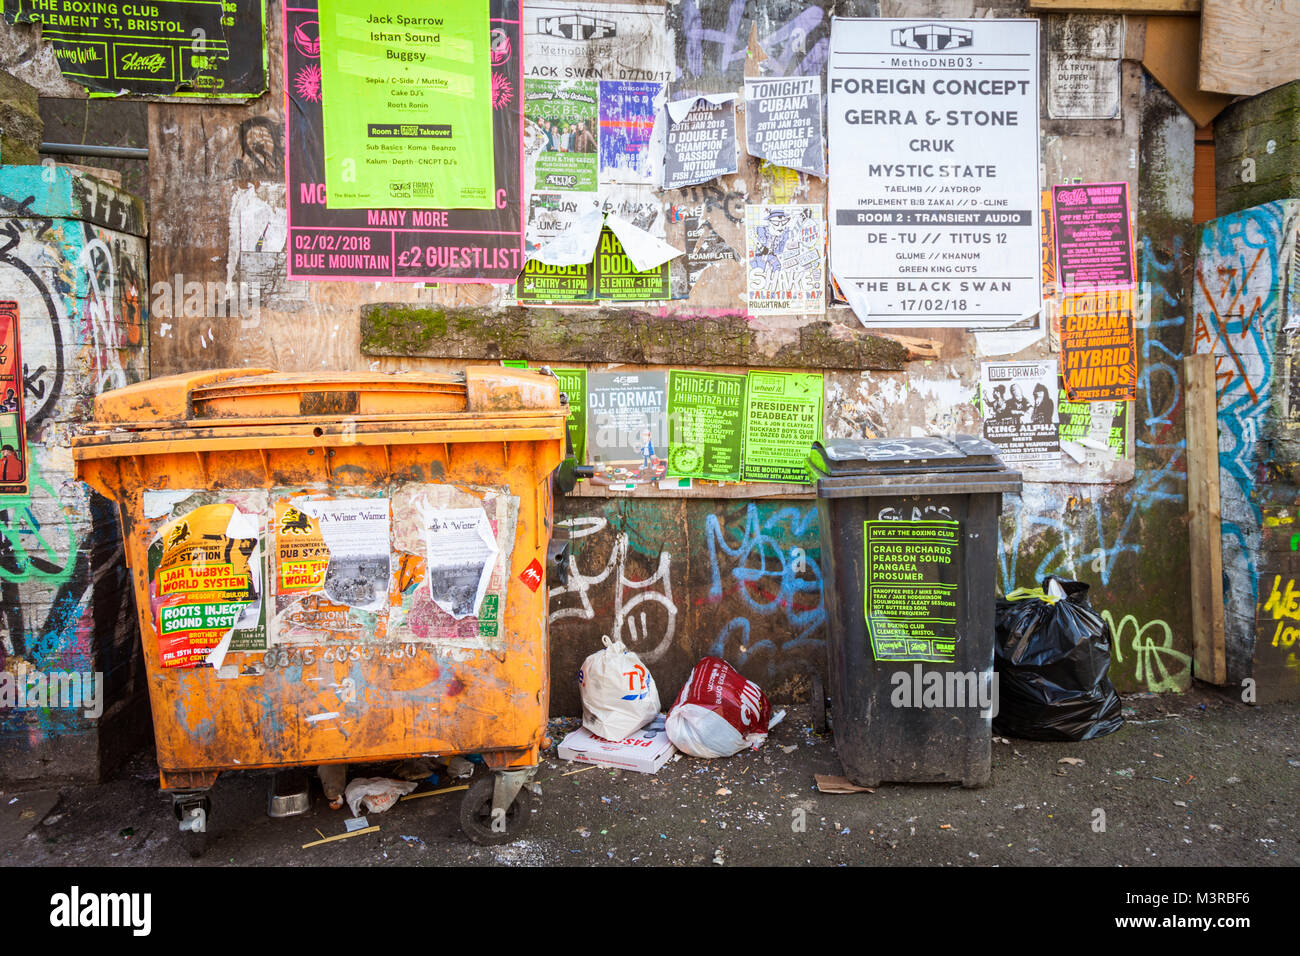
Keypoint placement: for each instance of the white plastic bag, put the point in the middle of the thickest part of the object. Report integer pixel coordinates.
(719, 713)
(377, 794)
(619, 696)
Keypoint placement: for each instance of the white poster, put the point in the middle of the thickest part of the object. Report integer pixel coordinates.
(933, 192)
(461, 553)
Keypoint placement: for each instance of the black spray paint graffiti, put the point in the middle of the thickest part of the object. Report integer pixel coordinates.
(261, 147)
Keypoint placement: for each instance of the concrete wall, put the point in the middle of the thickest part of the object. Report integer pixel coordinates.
(73, 256)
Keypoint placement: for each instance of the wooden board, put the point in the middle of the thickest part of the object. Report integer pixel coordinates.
(1249, 46)
(1170, 55)
(1205, 523)
(1115, 6)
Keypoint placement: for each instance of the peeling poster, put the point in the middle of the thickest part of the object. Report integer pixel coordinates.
(1020, 414)
(13, 426)
(461, 550)
(783, 122)
(701, 140)
(167, 48)
(207, 581)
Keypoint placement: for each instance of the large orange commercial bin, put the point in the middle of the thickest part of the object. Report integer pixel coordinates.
(314, 564)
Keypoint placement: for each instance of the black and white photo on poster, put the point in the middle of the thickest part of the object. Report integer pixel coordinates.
(461, 552)
(783, 122)
(1020, 413)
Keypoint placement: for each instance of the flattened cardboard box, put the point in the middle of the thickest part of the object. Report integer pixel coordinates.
(645, 751)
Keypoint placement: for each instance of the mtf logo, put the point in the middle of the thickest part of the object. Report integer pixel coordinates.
(931, 36)
(576, 27)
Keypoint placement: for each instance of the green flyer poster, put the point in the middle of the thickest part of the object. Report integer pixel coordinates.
(573, 382)
(705, 423)
(540, 282)
(566, 114)
(910, 590)
(407, 103)
(1086, 426)
(783, 417)
(617, 277)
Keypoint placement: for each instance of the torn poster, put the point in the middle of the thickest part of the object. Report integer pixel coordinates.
(543, 282)
(704, 246)
(783, 122)
(206, 574)
(562, 127)
(415, 613)
(13, 424)
(645, 250)
(1093, 433)
(783, 417)
(705, 425)
(619, 279)
(700, 141)
(1020, 415)
(604, 41)
(786, 247)
(1094, 241)
(627, 425)
(404, 245)
(550, 214)
(173, 49)
(627, 118)
(460, 553)
(933, 179)
(331, 568)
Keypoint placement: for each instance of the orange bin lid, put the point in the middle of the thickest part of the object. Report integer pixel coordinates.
(216, 398)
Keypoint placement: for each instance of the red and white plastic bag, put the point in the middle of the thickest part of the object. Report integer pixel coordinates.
(619, 696)
(719, 713)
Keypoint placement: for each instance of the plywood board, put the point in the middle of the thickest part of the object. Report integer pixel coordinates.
(1170, 55)
(1249, 46)
(1205, 522)
(1115, 6)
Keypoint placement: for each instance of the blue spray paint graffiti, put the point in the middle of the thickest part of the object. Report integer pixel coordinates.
(773, 571)
(1239, 294)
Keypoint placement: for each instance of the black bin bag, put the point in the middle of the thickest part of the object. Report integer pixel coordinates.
(1052, 657)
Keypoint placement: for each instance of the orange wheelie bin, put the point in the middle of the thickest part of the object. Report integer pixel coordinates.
(338, 568)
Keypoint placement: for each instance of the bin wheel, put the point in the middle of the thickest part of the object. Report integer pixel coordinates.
(817, 696)
(194, 812)
(476, 814)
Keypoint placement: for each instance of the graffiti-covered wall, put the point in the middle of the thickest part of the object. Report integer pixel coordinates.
(73, 271)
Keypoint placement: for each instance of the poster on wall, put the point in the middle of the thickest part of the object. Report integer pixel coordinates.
(618, 279)
(700, 141)
(1093, 433)
(207, 581)
(705, 424)
(627, 425)
(404, 245)
(407, 105)
(331, 568)
(933, 190)
(13, 423)
(1099, 352)
(783, 417)
(542, 282)
(1083, 66)
(1094, 240)
(912, 574)
(783, 122)
(786, 247)
(565, 114)
(172, 48)
(1020, 413)
(627, 120)
(573, 383)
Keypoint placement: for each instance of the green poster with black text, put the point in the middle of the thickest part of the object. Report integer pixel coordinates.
(705, 425)
(617, 277)
(406, 94)
(573, 383)
(783, 417)
(910, 591)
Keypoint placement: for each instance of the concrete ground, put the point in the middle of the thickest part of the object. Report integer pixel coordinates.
(1195, 779)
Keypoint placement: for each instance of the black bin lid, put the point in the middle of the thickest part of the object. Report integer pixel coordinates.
(873, 467)
(904, 456)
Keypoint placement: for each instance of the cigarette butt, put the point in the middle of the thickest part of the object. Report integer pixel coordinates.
(341, 836)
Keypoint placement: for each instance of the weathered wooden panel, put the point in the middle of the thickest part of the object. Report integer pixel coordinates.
(1249, 46)
(1170, 54)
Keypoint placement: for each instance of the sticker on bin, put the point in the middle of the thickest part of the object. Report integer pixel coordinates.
(532, 575)
(207, 582)
(645, 751)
